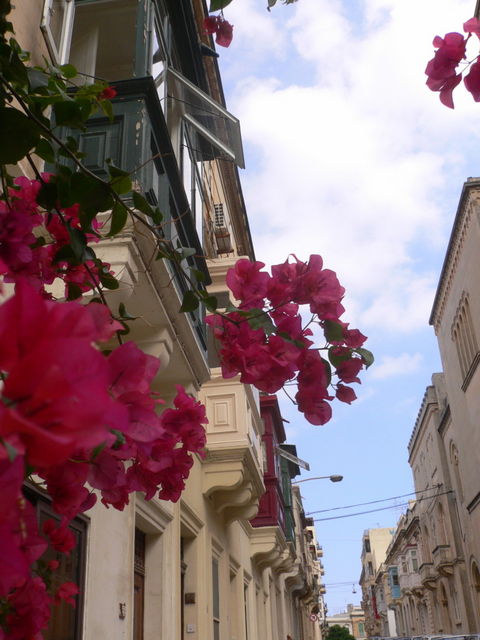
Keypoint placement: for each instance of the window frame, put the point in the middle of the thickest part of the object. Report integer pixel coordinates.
(59, 51)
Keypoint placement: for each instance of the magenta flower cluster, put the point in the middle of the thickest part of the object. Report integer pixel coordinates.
(265, 342)
(442, 69)
(77, 418)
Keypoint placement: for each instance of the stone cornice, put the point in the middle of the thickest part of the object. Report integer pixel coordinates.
(469, 197)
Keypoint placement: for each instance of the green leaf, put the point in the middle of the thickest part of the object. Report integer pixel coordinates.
(120, 438)
(336, 359)
(140, 203)
(120, 180)
(98, 449)
(78, 242)
(366, 355)
(11, 451)
(92, 195)
(328, 370)
(126, 329)
(259, 319)
(65, 254)
(211, 303)
(190, 302)
(123, 313)
(198, 275)
(333, 331)
(73, 291)
(107, 109)
(39, 242)
(68, 70)
(18, 135)
(119, 218)
(231, 308)
(216, 5)
(45, 151)
(68, 113)
(107, 280)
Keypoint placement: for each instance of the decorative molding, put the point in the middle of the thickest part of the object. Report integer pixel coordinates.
(155, 515)
(469, 202)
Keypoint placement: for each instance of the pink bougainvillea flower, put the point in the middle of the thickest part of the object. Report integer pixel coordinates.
(56, 391)
(29, 610)
(224, 35)
(472, 26)
(65, 484)
(441, 70)
(347, 371)
(66, 592)
(187, 420)
(222, 29)
(248, 283)
(210, 24)
(61, 537)
(345, 394)
(472, 81)
(20, 542)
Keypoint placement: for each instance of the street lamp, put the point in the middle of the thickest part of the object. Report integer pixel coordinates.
(333, 478)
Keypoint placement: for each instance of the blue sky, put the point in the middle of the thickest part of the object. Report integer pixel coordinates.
(349, 155)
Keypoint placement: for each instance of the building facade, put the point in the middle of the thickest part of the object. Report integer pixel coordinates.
(207, 567)
(433, 560)
(374, 546)
(352, 619)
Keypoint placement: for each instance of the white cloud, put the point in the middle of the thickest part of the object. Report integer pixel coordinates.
(390, 366)
(353, 155)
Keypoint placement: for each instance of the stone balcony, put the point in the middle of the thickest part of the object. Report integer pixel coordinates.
(410, 583)
(443, 559)
(428, 576)
(233, 465)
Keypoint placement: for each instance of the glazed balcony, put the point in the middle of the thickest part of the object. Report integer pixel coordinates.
(137, 139)
(271, 511)
(233, 466)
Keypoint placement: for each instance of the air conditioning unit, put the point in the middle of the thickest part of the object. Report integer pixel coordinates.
(222, 234)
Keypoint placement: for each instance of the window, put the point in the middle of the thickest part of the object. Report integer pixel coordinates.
(463, 336)
(215, 599)
(413, 555)
(80, 32)
(139, 585)
(370, 569)
(57, 23)
(214, 132)
(66, 621)
(367, 545)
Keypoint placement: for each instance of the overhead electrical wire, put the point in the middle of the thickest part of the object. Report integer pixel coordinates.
(362, 504)
(393, 506)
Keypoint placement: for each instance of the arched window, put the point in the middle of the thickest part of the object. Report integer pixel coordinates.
(463, 335)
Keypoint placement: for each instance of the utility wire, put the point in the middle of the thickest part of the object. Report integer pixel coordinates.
(393, 506)
(361, 504)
